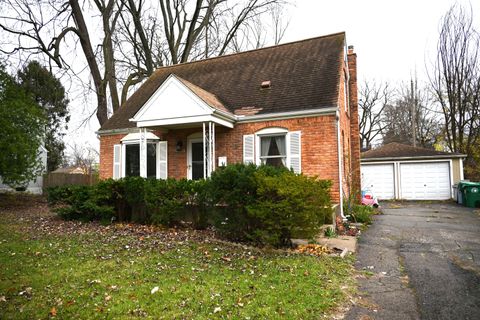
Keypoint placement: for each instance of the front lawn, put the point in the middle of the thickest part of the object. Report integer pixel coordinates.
(53, 268)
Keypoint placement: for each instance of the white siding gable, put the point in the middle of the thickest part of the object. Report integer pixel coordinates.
(172, 100)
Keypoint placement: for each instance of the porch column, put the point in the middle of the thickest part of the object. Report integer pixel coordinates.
(213, 147)
(205, 157)
(143, 152)
(208, 149)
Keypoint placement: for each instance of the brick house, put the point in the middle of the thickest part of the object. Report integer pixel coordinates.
(293, 104)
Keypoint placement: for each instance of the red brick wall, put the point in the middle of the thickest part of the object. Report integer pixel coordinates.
(319, 152)
(319, 147)
(106, 154)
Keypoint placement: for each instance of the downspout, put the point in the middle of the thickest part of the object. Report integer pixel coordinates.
(340, 177)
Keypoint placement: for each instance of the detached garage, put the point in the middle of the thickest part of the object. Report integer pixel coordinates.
(399, 171)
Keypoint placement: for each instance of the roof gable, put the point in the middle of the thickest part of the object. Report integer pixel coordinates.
(304, 75)
(173, 99)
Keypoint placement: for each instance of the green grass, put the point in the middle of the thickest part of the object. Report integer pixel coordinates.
(110, 275)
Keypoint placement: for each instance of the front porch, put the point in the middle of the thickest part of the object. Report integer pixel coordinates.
(174, 151)
(177, 124)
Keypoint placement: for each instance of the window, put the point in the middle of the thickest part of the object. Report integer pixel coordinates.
(273, 150)
(132, 160)
(274, 146)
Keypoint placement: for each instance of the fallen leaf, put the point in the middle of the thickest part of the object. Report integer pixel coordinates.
(53, 312)
(3, 299)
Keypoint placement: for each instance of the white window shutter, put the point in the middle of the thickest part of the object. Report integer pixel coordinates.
(162, 160)
(295, 151)
(248, 148)
(117, 161)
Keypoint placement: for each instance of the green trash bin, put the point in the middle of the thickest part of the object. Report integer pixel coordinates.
(471, 194)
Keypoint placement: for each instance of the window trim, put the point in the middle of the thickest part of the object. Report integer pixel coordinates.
(271, 132)
(123, 164)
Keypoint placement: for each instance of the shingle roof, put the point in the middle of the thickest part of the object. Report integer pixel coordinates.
(208, 97)
(303, 74)
(398, 150)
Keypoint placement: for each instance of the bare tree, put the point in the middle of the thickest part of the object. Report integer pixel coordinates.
(41, 27)
(191, 30)
(84, 156)
(455, 80)
(373, 100)
(412, 117)
(136, 36)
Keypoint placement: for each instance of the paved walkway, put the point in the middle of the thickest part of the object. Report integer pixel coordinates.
(422, 262)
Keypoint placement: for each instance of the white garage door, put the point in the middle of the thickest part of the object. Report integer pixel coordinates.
(425, 181)
(379, 179)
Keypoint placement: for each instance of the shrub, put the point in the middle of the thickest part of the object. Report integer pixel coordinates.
(232, 189)
(83, 203)
(165, 200)
(134, 194)
(264, 205)
(57, 195)
(288, 206)
(362, 214)
(198, 204)
(267, 205)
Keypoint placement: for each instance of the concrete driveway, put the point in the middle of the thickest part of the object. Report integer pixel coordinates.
(422, 261)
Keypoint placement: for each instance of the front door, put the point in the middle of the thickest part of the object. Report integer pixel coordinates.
(196, 158)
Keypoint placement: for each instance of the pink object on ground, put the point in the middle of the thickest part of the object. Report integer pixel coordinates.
(370, 202)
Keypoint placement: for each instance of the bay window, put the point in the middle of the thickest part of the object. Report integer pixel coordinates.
(132, 160)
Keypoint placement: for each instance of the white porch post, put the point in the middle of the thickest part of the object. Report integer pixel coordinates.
(208, 149)
(213, 147)
(143, 152)
(204, 152)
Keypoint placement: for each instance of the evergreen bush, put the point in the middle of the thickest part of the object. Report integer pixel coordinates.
(264, 205)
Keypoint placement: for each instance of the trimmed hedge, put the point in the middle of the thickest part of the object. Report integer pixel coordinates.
(263, 205)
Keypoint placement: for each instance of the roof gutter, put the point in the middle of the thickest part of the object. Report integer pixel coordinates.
(446, 156)
(288, 115)
(115, 131)
(332, 110)
(224, 115)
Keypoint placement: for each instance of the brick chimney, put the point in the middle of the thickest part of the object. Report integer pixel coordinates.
(354, 128)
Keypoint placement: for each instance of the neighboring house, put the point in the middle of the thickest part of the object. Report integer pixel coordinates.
(35, 186)
(399, 171)
(293, 104)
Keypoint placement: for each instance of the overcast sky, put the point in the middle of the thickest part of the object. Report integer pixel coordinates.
(392, 38)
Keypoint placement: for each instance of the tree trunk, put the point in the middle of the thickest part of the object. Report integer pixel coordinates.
(100, 88)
